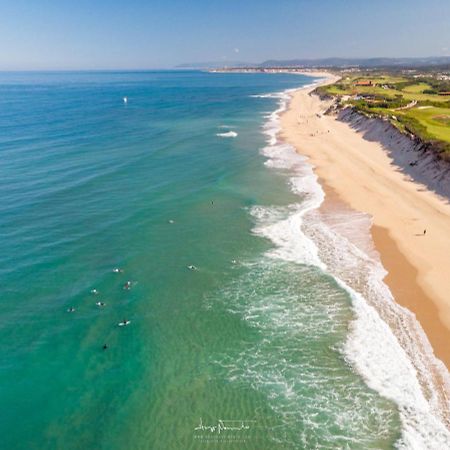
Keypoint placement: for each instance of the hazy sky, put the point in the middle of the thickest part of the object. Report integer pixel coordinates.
(87, 34)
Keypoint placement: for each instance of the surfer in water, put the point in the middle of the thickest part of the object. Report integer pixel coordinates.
(105, 347)
(117, 270)
(101, 304)
(127, 285)
(71, 309)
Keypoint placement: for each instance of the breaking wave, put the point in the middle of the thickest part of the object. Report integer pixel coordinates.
(227, 134)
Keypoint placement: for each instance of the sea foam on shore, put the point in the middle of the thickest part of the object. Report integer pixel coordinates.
(385, 343)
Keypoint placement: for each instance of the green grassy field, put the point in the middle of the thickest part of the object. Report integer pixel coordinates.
(412, 104)
(417, 88)
(436, 121)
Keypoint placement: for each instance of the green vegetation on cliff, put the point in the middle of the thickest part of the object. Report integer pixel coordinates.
(412, 102)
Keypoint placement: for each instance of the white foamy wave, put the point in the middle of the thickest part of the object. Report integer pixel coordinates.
(291, 244)
(227, 134)
(395, 364)
(282, 94)
(269, 95)
(377, 355)
(284, 366)
(286, 233)
(393, 330)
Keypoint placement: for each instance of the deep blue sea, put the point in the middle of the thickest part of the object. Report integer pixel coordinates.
(240, 335)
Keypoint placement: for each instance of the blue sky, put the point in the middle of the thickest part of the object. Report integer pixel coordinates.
(101, 34)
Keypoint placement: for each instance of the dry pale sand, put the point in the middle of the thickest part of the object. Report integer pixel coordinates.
(363, 176)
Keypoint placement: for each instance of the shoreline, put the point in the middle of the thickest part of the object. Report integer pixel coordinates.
(361, 175)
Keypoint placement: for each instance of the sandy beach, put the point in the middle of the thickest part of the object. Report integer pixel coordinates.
(361, 174)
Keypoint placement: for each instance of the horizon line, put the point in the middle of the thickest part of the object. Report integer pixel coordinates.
(191, 66)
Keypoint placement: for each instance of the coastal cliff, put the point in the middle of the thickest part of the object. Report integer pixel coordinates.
(417, 159)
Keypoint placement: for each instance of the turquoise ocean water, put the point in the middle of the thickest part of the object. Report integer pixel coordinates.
(262, 345)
